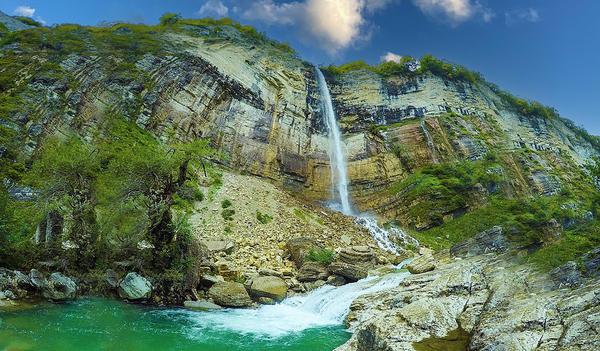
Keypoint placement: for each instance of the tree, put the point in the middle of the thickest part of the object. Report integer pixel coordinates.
(65, 172)
(169, 19)
(146, 170)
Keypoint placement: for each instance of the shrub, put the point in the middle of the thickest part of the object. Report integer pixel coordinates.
(169, 19)
(324, 256)
(226, 203)
(227, 214)
(28, 21)
(263, 218)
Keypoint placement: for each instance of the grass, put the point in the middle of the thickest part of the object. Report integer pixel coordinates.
(263, 218)
(323, 256)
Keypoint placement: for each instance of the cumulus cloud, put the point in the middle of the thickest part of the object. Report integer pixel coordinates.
(455, 11)
(523, 15)
(26, 11)
(334, 24)
(391, 57)
(214, 8)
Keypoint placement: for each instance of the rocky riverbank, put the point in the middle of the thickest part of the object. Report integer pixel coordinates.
(482, 297)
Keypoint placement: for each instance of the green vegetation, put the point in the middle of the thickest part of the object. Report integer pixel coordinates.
(28, 21)
(323, 256)
(226, 203)
(263, 218)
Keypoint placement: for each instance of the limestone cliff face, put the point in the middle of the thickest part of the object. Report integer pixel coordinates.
(260, 106)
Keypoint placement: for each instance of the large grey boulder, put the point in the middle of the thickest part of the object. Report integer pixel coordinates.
(37, 279)
(591, 263)
(59, 287)
(351, 272)
(312, 271)
(269, 286)
(135, 287)
(298, 248)
(229, 294)
(216, 246)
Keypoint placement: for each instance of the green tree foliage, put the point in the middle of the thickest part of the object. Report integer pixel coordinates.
(28, 20)
(66, 172)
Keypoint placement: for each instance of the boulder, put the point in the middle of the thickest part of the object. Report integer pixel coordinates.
(336, 280)
(298, 248)
(209, 279)
(227, 270)
(37, 279)
(216, 246)
(312, 271)
(201, 305)
(358, 255)
(59, 288)
(566, 275)
(591, 263)
(135, 287)
(111, 278)
(491, 240)
(269, 286)
(422, 264)
(230, 294)
(351, 272)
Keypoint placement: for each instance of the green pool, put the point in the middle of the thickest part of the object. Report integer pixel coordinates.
(97, 324)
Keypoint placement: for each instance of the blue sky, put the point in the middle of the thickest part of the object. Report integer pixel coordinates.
(547, 50)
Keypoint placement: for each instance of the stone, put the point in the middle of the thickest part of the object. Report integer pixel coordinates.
(346, 240)
(422, 264)
(298, 248)
(134, 287)
(210, 279)
(270, 272)
(591, 263)
(266, 301)
(230, 294)
(111, 278)
(59, 288)
(312, 271)
(201, 305)
(227, 270)
(336, 280)
(567, 275)
(269, 286)
(358, 255)
(217, 246)
(349, 271)
(37, 279)
(491, 240)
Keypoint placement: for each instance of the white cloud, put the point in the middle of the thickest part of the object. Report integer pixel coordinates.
(334, 24)
(524, 15)
(455, 11)
(213, 8)
(26, 11)
(391, 57)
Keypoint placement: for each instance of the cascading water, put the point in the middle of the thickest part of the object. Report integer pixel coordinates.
(322, 307)
(384, 238)
(337, 158)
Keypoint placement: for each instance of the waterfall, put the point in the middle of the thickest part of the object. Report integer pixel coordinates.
(386, 239)
(323, 307)
(339, 175)
(429, 140)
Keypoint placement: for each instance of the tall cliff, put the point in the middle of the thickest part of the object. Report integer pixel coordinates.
(408, 137)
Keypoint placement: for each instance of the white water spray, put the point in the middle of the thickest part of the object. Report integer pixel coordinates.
(322, 307)
(339, 175)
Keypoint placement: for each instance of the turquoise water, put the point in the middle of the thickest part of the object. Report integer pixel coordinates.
(98, 324)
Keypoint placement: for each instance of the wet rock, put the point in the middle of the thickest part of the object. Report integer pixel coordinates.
(269, 286)
(422, 264)
(230, 294)
(336, 280)
(352, 272)
(491, 240)
(266, 301)
(135, 287)
(567, 275)
(298, 248)
(59, 288)
(312, 271)
(201, 305)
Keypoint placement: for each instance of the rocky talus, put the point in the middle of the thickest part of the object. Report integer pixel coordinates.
(491, 299)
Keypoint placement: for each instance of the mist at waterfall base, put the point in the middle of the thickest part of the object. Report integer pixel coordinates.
(300, 323)
(339, 176)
